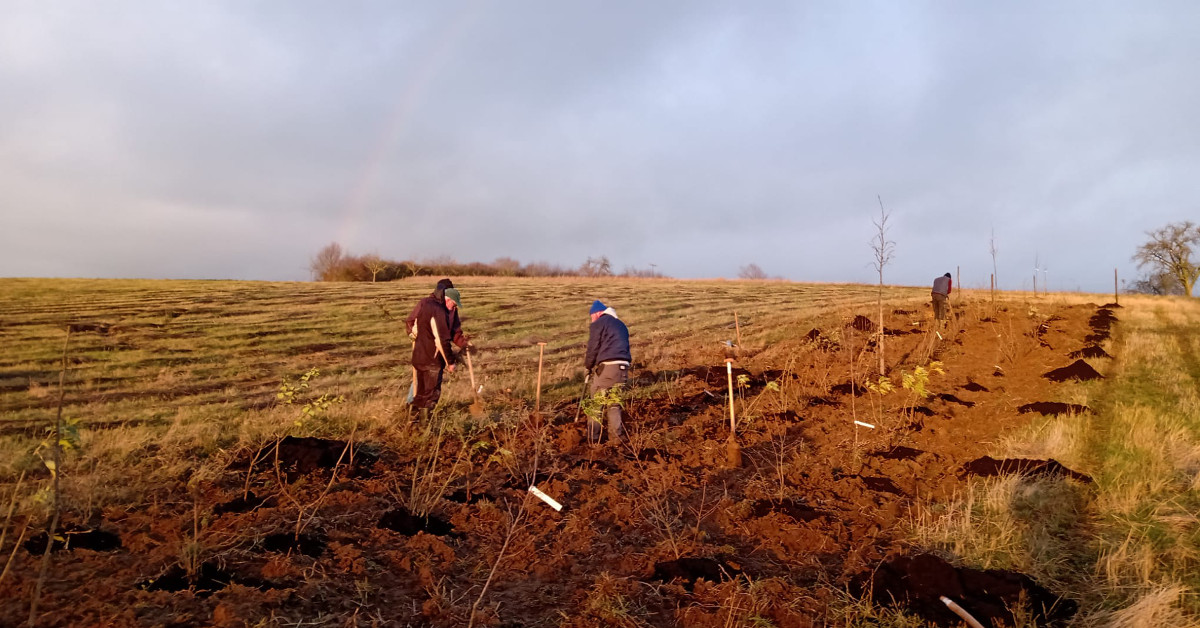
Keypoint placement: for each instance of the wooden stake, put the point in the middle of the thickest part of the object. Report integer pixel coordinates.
(1116, 294)
(537, 404)
(738, 328)
(993, 286)
(729, 375)
(958, 277)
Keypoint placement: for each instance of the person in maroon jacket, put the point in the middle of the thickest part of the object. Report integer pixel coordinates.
(431, 327)
(941, 296)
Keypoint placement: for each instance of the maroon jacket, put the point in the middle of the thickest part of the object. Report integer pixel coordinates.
(429, 325)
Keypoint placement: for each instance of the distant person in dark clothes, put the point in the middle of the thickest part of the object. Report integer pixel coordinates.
(608, 361)
(429, 326)
(941, 296)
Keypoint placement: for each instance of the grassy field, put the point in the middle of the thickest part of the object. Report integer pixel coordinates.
(173, 384)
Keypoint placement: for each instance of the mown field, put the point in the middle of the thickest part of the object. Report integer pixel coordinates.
(191, 493)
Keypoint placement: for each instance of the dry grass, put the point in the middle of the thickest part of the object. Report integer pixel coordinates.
(1129, 547)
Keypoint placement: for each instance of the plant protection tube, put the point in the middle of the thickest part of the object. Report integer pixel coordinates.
(546, 498)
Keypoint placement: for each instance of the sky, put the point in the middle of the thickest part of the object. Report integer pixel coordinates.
(233, 139)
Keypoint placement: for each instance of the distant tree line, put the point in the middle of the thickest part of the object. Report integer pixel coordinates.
(332, 263)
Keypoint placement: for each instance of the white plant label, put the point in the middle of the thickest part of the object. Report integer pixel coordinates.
(546, 498)
(861, 424)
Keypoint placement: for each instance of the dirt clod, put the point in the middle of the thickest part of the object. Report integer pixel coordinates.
(300, 456)
(207, 580)
(242, 503)
(862, 323)
(974, 387)
(75, 538)
(287, 542)
(791, 508)
(881, 484)
(898, 452)
(991, 596)
(1076, 370)
(988, 466)
(404, 522)
(689, 570)
(948, 398)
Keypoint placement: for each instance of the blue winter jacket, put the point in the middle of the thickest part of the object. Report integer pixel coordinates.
(608, 339)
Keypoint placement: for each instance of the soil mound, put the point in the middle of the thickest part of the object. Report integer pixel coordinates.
(823, 343)
(689, 570)
(1053, 407)
(991, 596)
(716, 376)
(1090, 351)
(287, 542)
(300, 456)
(973, 387)
(881, 484)
(791, 508)
(899, 452)
(988, 466)
(402, 521)
(862, 323)
(1076, 370)
(207, 580)
(821, 401)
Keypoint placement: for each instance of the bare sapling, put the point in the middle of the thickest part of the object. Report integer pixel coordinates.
(993, 250)
(884, 250)
(55, 467)
(12, 506)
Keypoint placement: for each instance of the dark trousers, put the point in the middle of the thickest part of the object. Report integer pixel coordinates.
(940, 303)
(606, 376)
(428, 385)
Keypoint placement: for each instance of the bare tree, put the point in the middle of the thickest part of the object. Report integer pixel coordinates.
(884, 250)
(752, 271)
(993, 250)
(1169, 252)
(596, 267)
(325, 261)
(507, 266)
(375, 265)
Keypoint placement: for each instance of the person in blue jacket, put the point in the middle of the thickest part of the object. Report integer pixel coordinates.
(608, 361)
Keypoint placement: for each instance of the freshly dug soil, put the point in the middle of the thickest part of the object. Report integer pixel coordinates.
(1090, 351)
(690, 569)
(74, 538)
(1052, 407)
(402, 521)
(862, 323)
(988, 466)
(1076, 370)
(919, 581)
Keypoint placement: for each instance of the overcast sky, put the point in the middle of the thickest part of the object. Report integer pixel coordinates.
(234, 139)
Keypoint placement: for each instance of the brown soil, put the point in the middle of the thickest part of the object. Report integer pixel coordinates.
(661, 524)
(1076, 370)
(988, 466)
(920, 581)
(1053, 407)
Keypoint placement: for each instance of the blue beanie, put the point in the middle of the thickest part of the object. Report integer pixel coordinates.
(597, 306)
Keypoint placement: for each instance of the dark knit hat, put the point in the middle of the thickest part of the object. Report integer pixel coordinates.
(445, 283)
(947, 275)
(597, 307)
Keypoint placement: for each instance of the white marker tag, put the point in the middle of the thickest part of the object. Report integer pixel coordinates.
(939, 334)
(546, 498)
(861, 424)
